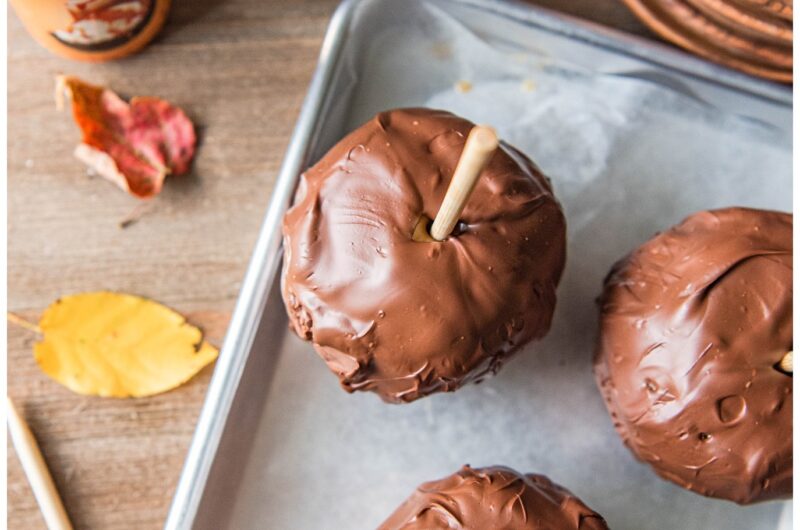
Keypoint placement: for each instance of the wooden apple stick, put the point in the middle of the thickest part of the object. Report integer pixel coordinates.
(787, 363)
(55, 517)
(478, 150)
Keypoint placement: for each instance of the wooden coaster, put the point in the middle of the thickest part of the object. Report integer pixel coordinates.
(678, 22)
(758, 26)
(778, 8)
(713, 34)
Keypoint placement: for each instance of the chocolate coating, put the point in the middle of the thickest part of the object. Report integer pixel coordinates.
(692, 325)
(493, 498)
(404, 318)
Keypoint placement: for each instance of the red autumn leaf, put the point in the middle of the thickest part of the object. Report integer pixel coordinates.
(135, 145)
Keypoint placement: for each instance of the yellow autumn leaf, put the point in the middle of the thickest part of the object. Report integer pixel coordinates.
(119, 345)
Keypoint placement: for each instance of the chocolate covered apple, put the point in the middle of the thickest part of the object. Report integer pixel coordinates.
(390, 308)
(695, 328)
(493, 498)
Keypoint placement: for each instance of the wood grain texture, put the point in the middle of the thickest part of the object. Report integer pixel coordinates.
(240, 68)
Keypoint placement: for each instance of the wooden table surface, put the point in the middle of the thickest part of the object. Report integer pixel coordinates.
(240, 68)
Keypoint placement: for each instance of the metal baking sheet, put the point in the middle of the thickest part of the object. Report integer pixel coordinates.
(634, 136)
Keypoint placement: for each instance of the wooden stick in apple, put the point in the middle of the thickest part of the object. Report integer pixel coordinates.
(481, 144)
(787, 363)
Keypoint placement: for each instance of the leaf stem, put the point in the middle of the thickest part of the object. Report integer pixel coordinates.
(21, 322)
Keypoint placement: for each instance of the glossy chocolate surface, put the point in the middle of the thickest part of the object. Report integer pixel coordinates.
(405, 318)
(493, 498)
(692, 326)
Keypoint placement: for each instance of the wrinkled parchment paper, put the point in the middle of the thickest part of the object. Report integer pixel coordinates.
(628, 157)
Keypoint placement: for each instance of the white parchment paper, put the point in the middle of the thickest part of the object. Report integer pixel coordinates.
(627, 157)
